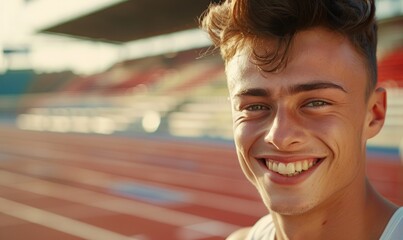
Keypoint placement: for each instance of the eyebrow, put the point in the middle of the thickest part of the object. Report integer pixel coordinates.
(314, 86)
(253, 92)
(306, 87)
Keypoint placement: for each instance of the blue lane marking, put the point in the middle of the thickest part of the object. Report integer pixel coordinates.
(3, 157)
(155, 195)
(387, 153)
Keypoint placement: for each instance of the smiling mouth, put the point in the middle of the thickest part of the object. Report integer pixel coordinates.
(292, 168)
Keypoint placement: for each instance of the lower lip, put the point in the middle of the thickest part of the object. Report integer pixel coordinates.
(285, 180)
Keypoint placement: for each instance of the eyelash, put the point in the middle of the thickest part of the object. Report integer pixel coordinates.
(310, 104)
(314, 102)
(252, 108)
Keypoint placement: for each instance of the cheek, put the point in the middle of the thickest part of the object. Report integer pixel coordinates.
(245, 135)
(338, 129)
(342, 136)
(242, 138)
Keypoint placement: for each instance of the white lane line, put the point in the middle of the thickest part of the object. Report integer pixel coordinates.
(58, 222)
(137, 169)
(108, 202)
(106, 180)
(215, 228)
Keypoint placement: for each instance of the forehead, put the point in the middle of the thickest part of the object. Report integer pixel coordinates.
(314, 54)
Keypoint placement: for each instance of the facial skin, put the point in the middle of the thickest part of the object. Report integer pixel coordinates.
(314, 109)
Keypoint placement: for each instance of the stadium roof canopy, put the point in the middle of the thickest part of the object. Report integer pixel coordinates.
(134, 19)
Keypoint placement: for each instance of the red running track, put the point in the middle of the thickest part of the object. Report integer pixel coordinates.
(71, 186)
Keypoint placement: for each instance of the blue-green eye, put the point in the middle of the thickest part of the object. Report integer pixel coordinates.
(316, 103)
(254, 108)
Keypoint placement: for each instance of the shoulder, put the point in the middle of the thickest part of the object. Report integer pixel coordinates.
(394, 229)
(239, 234)
(263, 229)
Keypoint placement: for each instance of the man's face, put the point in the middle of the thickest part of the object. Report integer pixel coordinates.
(300, 133)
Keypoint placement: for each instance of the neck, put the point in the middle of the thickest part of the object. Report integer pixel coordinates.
(351, 214)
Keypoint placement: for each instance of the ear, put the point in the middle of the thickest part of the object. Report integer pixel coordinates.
(376, 112)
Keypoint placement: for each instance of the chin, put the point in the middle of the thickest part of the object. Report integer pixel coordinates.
(288, 207)
(291, 210)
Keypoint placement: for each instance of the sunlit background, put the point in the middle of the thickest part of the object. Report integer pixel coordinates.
(127, 78)
(55, 77)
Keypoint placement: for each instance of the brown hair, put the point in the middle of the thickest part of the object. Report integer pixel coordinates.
(234, 23)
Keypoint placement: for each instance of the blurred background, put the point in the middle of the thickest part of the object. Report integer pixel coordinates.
(112, 125)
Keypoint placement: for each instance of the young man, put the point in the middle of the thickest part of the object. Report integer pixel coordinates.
(302, 81)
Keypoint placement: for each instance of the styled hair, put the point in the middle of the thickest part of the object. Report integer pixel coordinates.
(235, 24)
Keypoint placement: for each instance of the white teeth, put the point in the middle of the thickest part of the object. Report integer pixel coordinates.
(305, 165)
(290, 169)
(275, 167)
(298, 166)
(270, 165)
(282, 169)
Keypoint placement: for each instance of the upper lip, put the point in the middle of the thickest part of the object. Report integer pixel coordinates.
(288, 158)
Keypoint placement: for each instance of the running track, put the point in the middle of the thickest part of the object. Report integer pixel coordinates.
(71, 186)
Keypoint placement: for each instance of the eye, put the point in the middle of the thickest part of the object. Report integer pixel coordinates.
(316, 104)
(254, 108)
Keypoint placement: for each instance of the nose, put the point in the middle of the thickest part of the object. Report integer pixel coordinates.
(285, 131)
